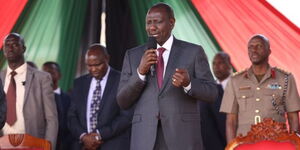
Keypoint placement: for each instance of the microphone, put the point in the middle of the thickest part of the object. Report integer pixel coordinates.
(151, 44)
(23, 83)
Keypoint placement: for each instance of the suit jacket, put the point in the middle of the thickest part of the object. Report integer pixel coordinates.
(178, 111)
(39, 108)
(2, 107)
(113, 124)
(64, 136)
(213, 123)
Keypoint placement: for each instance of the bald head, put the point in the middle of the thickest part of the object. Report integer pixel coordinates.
(263, 38)
(16, 36)
(97, 60)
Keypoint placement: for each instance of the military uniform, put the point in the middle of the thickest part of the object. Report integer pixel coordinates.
(274, 95)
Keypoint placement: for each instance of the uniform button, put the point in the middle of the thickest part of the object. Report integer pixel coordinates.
(243, 96)
(257, 88)
(257, 111)
(257, 99)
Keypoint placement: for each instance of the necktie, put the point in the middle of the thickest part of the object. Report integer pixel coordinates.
(11, 100)
(95, 106)
(160, 67)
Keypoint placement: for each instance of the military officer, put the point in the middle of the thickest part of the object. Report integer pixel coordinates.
(262, 91)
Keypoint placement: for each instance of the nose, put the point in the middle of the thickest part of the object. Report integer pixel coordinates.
(152, 27)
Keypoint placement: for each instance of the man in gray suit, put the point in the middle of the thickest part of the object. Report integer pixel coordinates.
(31, 107)
(166, 115)
(2, 106)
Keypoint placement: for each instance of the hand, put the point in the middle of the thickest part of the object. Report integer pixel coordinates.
(149, 58)
(181, 78)
(90, 142)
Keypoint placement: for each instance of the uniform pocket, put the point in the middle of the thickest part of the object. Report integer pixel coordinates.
(242, 98)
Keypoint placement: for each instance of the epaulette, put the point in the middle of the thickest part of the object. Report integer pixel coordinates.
(282, 71)
(238, 73)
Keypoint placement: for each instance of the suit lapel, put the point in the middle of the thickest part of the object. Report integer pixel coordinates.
(107, 90)
(29, 77)
(172, 64)
(86, 88)
(3, 75)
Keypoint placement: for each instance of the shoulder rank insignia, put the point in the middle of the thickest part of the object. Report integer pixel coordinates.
(282, 71)
(238, 73)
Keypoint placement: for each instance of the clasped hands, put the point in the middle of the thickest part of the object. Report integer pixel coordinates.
(180, 78)
(91, 141)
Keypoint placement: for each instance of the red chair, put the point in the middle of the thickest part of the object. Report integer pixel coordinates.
(23, 142)
(267, 135)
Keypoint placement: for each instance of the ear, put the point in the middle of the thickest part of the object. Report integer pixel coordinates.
(24, 49)
(172, 22)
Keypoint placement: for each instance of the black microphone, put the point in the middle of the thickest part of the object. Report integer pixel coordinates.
(23, 83)
(151, 44)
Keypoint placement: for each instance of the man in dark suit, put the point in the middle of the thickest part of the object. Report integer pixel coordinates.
(213, 121)
(31, 106)
(94, 116)
(62, 100)
(2, 106)
(166, 114)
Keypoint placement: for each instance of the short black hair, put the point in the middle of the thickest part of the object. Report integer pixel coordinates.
(50, 63)
(263, 38)
(225, 56)
(98, 46)
(166, 7)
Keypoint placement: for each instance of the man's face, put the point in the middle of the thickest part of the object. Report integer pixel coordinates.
(221, 68)
(257, 51)
(97, 64)
(13, 49)
(53, 72)
(159, 25)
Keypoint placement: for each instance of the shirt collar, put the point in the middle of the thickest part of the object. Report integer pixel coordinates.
(19, 70)
(224, 82)
(168, 44)
(57, 91)
(105, 76)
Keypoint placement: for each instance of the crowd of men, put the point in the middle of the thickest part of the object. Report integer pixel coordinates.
(165, 98)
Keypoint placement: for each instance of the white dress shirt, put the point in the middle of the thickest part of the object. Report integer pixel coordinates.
(20, 78)
(224, 82)
(90, 96)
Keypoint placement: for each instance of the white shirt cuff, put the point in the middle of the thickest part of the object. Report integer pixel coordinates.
(80, 137)
(187, 88)
(142, 77)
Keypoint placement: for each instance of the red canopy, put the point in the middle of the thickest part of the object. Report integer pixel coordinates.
(10, 10)
(233, 22)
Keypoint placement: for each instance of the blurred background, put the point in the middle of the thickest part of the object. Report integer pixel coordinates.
(61, 30)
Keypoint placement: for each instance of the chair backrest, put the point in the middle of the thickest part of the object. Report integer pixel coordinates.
(23, 142)
(268, 134)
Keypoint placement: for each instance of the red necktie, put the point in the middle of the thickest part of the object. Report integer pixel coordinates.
(160, 67)
(11, 115)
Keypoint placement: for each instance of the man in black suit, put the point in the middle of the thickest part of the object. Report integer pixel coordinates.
(2, 106)
(94, 116)
(213, 121)
(62, 100)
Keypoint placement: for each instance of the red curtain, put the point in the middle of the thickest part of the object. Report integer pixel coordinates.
(233, 22)
(10, 10)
